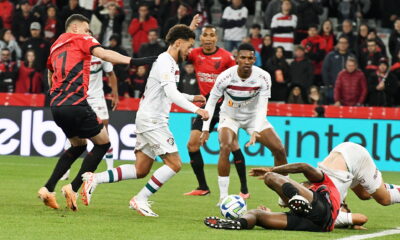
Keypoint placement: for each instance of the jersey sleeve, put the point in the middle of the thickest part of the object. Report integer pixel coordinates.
(167, 71)
(87, 43)
(265, 85)
(107, 66)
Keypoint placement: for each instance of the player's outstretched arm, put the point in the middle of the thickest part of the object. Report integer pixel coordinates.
(117, 58)
(311, 173)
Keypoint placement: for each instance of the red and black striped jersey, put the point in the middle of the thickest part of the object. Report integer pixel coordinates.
(69, 61)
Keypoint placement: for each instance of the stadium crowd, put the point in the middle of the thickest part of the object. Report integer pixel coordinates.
(317, 51)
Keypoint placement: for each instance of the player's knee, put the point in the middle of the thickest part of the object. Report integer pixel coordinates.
(363, 219)
(141, 173)
(193, 146)
(384, 201)
(225, 147)
(363, 195)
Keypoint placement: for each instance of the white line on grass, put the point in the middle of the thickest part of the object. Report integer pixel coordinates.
(373, 235)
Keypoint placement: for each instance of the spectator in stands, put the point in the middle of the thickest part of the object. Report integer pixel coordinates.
(203, 8)
(154, 7)
(280, 75)
(138, 82)
(73, 8)
(39, 44)
(390, 11)
(369, 60)
(6, 13)
(347, 31)
(22, 21)
(111, 22)
(188, 83)
(255, 37)
(282, 28)
(154, 47)
(120, 70)
(29, 78)
(382, 86)
(234, 23)
(8, 71)
(7, 40)
(308, 12)
(327, 34)
(394, 41)
(52, 24)
(319, 111)
(41, 8)
(273, 8)
(315, 46)
(353, 9)
(314, 96)
(361, 39)
(182, 16)
(395, 69)
(333, 63)
(267, 51)
(140, 27)
(168, 9)
(301, 69)
(381, 47)
(296, 95)
(351, 85)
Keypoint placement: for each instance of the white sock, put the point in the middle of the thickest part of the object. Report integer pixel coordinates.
(160, 176)
(223, 183)
(391, 186)
(67, 145)
(394, 195)
(123, 172)
(109, 158)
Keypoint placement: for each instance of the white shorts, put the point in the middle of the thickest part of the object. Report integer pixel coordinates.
(99, 106)
(344, 219)
(248, 125)
(156, 142)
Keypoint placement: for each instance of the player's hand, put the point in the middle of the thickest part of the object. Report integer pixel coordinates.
(259, 172)
(195, 22)
(200, 98)
(358, 227)
(253, 139)
(204, 137)
(114, 101)
(203, 113)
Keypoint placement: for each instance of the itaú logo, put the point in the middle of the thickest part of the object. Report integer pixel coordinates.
(36, 136)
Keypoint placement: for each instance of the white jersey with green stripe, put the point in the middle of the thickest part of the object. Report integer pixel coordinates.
(241, 95)
(97, 66)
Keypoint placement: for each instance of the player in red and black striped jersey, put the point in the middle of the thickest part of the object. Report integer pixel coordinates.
(314, 208)
(209, 61)
(69, 70)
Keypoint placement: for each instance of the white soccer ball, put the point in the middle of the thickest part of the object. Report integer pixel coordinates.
(233, 206)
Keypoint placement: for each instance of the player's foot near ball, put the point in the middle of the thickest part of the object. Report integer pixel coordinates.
(70, 197)
(244, 195)
(88, 187)
(48, 198)
(142, 207)
(299, 205)
(218, 223)
(197, 192)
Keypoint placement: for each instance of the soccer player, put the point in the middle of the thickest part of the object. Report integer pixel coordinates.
(311, 209)
(246, 89)
(153, 135)
(209, 61)
(69, 70)
(349, 165)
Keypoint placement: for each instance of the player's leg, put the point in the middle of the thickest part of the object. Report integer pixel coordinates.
(67, 145)
(383, 195)
(269, 220)
(240, 165)
(109, 154)
(270, 139)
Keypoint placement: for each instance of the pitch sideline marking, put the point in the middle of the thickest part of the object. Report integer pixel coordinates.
(373, 235)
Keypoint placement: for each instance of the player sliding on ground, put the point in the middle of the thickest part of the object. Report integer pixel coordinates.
(246, 89)
(153, 135)
(311, 209)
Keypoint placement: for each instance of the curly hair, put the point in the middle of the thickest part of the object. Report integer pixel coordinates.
(179, 31)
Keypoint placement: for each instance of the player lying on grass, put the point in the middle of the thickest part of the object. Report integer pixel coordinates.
(349, 165)
(153, 135)
(311, 209)
(246, 89)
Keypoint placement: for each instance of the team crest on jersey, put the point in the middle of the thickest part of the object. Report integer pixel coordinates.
(217, 65)
(171, 141)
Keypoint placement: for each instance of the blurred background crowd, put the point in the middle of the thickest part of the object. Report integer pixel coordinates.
(342, 52)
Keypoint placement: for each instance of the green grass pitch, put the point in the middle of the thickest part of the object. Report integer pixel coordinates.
(23, 216)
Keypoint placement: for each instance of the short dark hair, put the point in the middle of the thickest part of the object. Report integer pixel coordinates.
(5, 49)
(154, 30)
(179, 31)
(313, 26)
(256, 25)
(371, 40)
(246, 46)
(209, 26)
(76, 17)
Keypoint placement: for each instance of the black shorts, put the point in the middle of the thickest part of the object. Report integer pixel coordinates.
(77, 121)
(197, 123)
(316, 221)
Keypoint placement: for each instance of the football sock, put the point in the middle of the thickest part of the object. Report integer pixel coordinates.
(123, 172)
(109, 159)
(223, 183)
(196, 161)
(289, 190)
(240, 165)
(63, 164)
(90, 163)
(160, 176)
(391, 186)
(394, 195)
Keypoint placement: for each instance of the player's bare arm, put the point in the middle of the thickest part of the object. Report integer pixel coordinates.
(114, 89)
(49, 77)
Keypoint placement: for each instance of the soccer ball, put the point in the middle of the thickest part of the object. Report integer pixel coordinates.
(233, 206)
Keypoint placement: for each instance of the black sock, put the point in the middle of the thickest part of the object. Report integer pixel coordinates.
(63, 164)
(196, 161)
(240, 165)
(289, 190)
(243, 223)
(90, 163)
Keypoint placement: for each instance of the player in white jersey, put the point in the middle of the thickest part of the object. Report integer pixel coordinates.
(349, 165)
(153, 135)
(246, 89)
